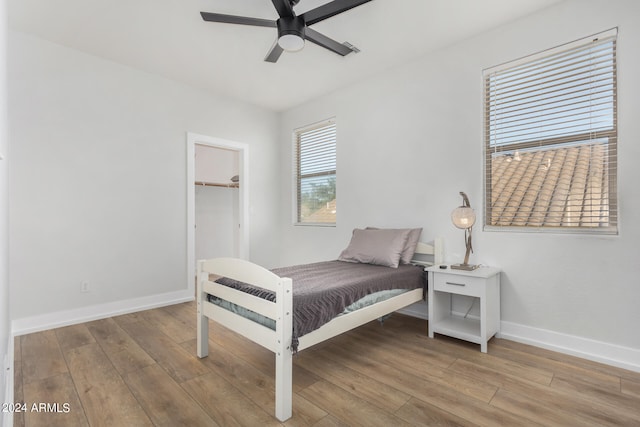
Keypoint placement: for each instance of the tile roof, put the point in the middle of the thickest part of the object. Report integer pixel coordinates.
(567, 186)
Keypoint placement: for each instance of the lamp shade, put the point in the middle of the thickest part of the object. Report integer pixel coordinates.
(463, 217)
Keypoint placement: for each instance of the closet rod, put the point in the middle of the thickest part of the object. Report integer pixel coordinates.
(215, 184)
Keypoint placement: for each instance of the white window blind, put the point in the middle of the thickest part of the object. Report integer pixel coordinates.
(315, 173)
(551, 139)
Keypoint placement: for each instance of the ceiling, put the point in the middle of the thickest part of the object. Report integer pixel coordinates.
(169, 38)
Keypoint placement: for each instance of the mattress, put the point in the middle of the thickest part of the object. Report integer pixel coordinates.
(324, 290)
(366, 301)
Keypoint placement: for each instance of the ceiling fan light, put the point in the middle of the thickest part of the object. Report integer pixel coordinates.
(291, 42)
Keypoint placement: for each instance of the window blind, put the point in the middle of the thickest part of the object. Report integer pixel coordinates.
(551, 139)
(315, 173)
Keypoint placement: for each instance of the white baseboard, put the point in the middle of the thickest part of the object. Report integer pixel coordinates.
(598, 351)
(27, 325)
(610, 354)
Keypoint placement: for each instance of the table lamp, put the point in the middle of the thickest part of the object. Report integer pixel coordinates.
(464, 217)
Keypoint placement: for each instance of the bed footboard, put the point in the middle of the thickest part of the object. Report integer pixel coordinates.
(281, 311)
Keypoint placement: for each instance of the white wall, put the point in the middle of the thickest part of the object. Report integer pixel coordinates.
(6, 393)
(98, 177)
(411, 138)
(217, 219)
(216, 208)
(216, 165)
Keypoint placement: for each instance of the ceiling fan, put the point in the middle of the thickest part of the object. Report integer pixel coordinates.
(294, 29)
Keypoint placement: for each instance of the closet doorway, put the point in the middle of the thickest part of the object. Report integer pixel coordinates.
(217, 200)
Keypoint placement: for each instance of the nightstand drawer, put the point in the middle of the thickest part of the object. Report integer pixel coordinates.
(458, 284)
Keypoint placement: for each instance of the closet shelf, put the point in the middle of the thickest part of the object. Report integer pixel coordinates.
(217, 184)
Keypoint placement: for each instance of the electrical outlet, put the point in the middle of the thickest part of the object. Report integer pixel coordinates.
(84, 287)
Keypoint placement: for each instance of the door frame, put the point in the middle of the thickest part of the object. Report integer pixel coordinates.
(194, 139)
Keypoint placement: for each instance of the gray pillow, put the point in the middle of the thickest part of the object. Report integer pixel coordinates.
(411, 243)
(379, 247)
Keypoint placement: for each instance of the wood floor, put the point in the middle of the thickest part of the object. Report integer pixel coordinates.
(141, 370)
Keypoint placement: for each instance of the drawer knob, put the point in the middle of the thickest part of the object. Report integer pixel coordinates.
(455, 284)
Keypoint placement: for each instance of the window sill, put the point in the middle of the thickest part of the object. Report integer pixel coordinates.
(601, 231)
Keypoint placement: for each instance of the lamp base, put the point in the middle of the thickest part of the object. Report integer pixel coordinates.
(467, 267)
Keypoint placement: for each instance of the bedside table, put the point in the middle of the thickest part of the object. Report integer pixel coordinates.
(482, 283)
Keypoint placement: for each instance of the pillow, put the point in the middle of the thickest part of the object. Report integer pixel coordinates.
(379, 247)
(411, 243)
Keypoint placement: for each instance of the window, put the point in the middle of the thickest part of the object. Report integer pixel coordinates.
(551, 140)
(315, 173)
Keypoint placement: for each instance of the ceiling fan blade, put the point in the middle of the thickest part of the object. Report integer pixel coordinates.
(274, 53)
(324, 41)
(232, 19)
(330, 9)
(284, 8)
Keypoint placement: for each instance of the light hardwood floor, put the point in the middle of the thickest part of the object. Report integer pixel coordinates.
(141, 369)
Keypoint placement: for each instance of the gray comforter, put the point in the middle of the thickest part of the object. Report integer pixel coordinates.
(321, 291)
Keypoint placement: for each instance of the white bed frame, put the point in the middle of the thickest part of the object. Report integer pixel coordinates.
(279, 341)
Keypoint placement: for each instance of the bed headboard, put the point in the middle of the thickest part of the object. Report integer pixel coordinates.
(434, 249)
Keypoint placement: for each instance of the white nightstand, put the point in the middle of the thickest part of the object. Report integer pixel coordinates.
(482, 283)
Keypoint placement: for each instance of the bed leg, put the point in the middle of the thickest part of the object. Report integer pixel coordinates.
(284, 355)
(202, 320)
(284, 385)
(203, 335)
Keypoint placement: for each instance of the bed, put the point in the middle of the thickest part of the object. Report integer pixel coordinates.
(281, 337)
